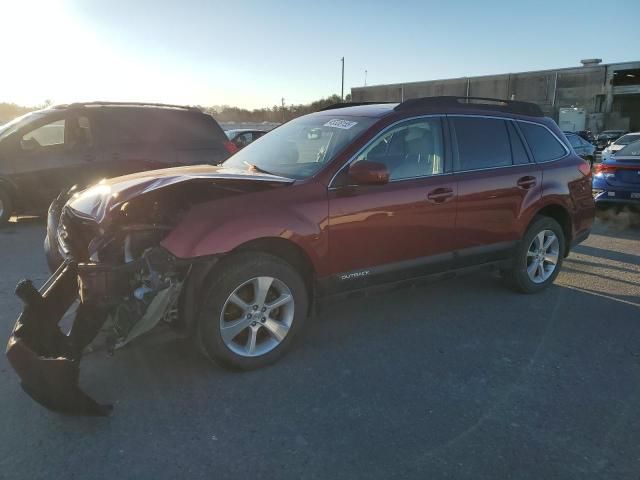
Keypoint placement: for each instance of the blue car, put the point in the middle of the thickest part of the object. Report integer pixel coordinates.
(616, 181)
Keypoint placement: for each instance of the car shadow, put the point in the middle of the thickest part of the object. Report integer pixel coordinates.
(606, 266)
(608, 254)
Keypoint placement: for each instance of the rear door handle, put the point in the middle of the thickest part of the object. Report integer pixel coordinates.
(526, 182)
(89, 157)
(439, 195)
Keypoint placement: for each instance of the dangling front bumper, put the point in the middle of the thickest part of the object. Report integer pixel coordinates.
(46, 360)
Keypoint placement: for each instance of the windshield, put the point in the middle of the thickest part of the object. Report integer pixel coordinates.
(17, 123)
(627, 139)
(631, 150)
(300, 148)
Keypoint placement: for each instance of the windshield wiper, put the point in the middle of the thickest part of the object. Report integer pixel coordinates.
(256, 168)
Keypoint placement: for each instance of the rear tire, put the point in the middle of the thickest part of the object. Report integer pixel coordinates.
(532, 268)
(239, 326)
(6, 207)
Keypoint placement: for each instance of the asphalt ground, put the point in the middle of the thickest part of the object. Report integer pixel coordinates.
(457, 378)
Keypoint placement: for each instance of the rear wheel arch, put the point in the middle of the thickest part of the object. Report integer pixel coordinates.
(561, 215)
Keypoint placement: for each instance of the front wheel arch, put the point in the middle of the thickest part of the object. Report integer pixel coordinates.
(288, 251)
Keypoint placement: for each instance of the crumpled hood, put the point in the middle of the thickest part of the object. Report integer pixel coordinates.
(97, 201)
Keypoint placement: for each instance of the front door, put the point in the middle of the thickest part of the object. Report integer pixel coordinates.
(51, 157)
(404, 228)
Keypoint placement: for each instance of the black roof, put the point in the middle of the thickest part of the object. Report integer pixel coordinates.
(444, 104)
(125, 104)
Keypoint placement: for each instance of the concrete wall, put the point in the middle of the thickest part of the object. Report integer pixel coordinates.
(588, 87)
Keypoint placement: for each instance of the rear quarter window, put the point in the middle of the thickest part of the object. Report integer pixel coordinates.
(543, 144)
(191, 129)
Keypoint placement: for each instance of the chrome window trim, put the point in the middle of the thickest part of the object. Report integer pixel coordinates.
(375, 138)
(445, 115)
(567, 152)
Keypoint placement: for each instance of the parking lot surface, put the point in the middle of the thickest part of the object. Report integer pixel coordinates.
(456, 378)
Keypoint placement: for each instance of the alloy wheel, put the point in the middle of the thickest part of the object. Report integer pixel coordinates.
(542, 256)
(257, 316)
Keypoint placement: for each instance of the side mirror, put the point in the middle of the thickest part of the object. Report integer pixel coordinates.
(29, 144)
(366, 172)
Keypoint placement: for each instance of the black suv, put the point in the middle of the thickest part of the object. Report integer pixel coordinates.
(46, 151)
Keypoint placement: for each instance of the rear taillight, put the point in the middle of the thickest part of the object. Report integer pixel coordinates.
(604, 170)
(231, 147)
(585, 168)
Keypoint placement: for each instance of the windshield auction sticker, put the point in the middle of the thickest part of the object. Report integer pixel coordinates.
(343, 124)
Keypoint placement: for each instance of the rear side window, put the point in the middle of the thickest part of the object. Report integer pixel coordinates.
(543, 144)
(481, 143)
(161, 126)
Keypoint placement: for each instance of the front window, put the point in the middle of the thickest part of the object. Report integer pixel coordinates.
(300, 148)
(412, 150)
(44, 136)
(17, 123)
(71, 133)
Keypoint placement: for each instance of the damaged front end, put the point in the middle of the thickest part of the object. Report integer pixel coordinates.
(115, 279)
(115, 276)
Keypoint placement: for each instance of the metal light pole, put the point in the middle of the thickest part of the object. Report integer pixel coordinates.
(342, 88)
(365, 78)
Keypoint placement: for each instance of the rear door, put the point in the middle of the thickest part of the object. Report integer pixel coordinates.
(404, 228)
(131, 139)
(497, 182)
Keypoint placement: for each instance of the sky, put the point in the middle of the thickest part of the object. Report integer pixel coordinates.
(253, 53)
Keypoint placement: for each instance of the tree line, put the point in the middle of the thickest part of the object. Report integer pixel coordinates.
(222, 113)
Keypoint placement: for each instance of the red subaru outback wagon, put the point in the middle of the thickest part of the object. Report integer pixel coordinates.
(342, 199)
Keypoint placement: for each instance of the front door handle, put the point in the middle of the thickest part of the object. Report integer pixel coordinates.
(439, 195)
(526, 182)
(89, 157)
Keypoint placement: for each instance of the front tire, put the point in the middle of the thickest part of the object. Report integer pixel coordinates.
(538, 256)
(254, 306)
(6, 207)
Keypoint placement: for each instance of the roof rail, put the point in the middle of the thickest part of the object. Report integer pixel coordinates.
(349, 104)
(126, 104)
(510, 106)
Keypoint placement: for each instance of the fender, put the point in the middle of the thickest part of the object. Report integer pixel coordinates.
(220, 226)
